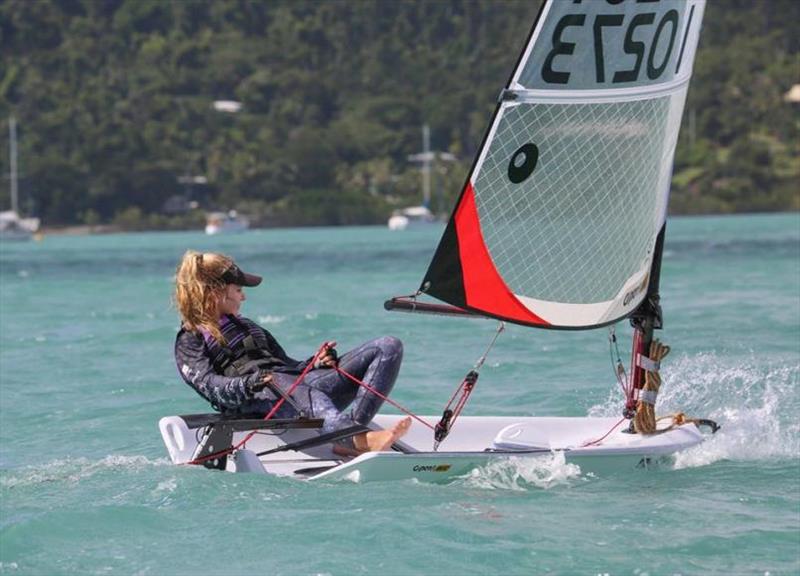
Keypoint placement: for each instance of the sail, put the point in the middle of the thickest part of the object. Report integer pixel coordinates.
(557, 223)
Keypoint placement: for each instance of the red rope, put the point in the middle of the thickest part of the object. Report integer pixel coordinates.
(455, 393)
(595, 442)
(630, 388)
(466, 389)
(381, 396)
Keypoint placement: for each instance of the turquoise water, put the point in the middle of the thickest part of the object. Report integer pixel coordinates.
(86, 371)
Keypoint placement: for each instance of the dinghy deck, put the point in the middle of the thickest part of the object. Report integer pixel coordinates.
(477, 442)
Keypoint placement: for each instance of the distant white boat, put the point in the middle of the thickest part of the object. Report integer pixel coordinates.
(12, 227)
(419, 215)
(411, 216)
(226, 223)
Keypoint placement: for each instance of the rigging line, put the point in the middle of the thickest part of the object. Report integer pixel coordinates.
(450, 415)
(604, 436)
(411, 296)
(381, 396)
(500, 328)
(462, 401)
(477, 366)
(619, 368)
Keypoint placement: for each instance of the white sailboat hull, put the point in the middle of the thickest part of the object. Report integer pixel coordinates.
(226, 223)
(226, 228)
(594, 444)
(14, 228)
(411, 217)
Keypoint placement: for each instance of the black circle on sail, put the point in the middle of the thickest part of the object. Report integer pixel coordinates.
(523, 162)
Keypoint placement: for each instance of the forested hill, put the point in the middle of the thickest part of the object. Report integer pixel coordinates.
(114, 101)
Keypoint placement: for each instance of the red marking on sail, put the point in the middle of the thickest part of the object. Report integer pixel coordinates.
(484, 287)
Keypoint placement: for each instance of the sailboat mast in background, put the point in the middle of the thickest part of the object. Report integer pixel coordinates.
(425, 158)
(12, 160)
(12, 227)
(422, 214)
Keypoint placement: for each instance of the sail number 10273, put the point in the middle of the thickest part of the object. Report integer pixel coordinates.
(647, 37)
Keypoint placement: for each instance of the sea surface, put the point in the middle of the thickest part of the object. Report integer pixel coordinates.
(86, 371)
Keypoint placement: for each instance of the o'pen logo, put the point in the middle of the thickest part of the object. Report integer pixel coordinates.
(431, 468)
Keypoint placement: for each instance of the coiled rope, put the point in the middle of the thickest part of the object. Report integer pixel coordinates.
(644, 421)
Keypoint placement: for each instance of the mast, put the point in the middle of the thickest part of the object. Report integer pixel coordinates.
(426, 166)
(647, 317)
(12, 157)
(426, 158)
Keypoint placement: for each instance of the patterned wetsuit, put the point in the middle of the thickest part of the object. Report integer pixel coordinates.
(324, 393)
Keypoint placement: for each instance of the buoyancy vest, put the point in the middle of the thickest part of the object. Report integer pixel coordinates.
(247, 349)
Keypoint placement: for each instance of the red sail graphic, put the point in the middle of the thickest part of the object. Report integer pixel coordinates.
(484, 288)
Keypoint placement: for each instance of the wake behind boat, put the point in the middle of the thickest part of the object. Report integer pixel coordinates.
(560, 225)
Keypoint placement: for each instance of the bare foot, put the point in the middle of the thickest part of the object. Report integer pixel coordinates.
(380, 440)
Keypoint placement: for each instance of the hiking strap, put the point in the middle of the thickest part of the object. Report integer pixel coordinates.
(334, 436)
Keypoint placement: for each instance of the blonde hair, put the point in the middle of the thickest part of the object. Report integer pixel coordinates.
(198, 286)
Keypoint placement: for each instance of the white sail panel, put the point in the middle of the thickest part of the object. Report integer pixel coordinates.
(558, 223)
(586, 220)
(598, 313)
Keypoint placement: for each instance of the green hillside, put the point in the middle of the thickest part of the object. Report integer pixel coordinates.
(114, 102)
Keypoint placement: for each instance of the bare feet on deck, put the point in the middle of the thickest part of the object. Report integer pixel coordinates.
(375, 441)
(380, 440)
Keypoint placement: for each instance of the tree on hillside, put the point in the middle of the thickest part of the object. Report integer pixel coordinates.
(114, 102)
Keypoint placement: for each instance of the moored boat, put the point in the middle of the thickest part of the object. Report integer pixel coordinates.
(226, 223)
(14, 228)
(414, 216)
(411, 217)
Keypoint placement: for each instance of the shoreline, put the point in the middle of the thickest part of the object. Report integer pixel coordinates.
(86, 230)
(82, 230)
